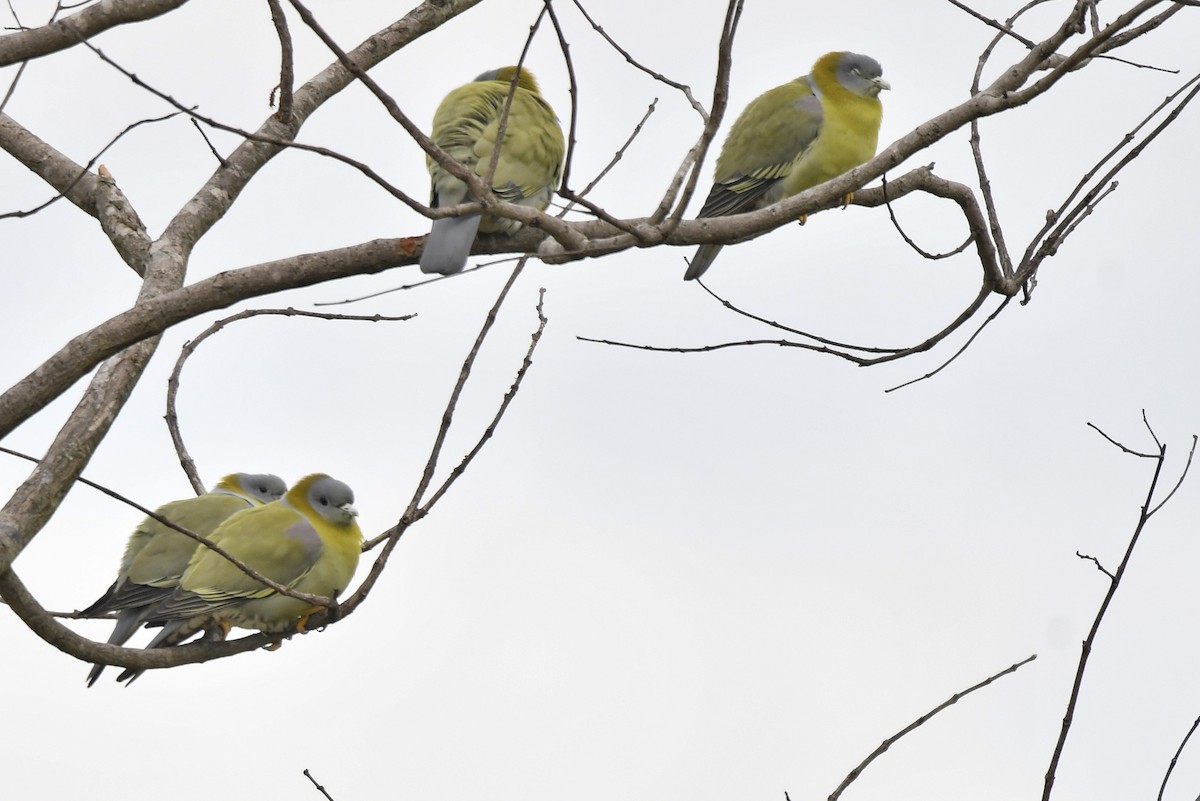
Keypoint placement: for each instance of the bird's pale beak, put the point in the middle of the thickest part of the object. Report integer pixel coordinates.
(880, 84)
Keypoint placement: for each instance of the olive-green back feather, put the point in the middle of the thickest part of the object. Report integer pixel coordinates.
(773, 132)
(467, 126)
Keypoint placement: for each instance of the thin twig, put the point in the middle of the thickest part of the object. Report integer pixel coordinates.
(1062, 221)
(1113, 585)
(363, 168)
(1182, 476)
(502, 124)
(679, 192)
(287, 68)
(416, 510)
(861, 361)
(572, 90)
(612, 162)
(478, 188)
(1004, 29)
(956, 353)
(12, 87)
(780, 326)
(1096, 562)
(625, 54)
(211, 147)
(90, 163)
(526, 363)
(909, 241)
(745, 343)
(319, 787)
(415, 504)
(1130, 451)
(890, 741)
(1174, 759)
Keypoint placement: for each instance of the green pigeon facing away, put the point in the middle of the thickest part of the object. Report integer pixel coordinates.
(528, 170)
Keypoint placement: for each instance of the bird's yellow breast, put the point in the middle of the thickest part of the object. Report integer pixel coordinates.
(849, 137)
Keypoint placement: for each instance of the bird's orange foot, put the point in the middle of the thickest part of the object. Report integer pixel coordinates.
(302, 624)
(217, 632)
(848, 199)
(802, 219)
(274, 646)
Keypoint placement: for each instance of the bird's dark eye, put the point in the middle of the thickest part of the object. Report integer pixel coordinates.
(324, 501)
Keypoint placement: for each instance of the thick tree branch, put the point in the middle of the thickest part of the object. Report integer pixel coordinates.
(166, 266)
(70, 31)
(69, 179)
(43, 624)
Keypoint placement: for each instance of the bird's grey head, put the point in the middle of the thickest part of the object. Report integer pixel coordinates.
(861, 74)
(332, 500)
(263, 486)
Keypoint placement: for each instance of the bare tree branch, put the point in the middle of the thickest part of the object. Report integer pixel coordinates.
(68, 32)
(418, 507)
(41, 623)
(1113, 585)
(890, 741)
(684, 89)
(277, 141)
(1096, 562)
(461, 467)
(1171, 767)
(971, 339)
(185, 353)
(318, 786)
(287, 70)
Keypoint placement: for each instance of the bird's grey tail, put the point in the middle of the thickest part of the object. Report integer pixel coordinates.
(95, 672)
(449, 244)
(705, 255)
(167, 634)
(127, 623)
(174, 632)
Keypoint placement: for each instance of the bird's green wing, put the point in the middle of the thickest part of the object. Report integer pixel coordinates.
(460, 121)
(467, 126)
(274, 540)
(765, 142)
(157, 555)
(164, 558)
(530, 163)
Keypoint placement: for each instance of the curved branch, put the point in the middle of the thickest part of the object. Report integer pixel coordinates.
(43, 624)
(185, 459)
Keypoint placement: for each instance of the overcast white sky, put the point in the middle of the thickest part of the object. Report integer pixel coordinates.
(668, 576)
